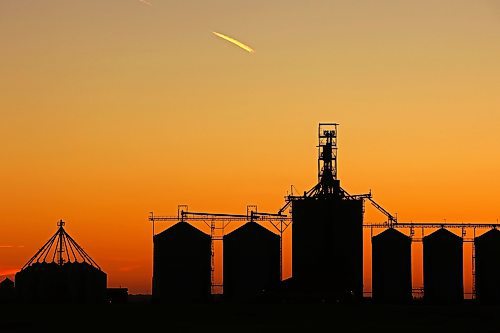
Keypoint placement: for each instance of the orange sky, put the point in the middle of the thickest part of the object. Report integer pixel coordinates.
(111, 109)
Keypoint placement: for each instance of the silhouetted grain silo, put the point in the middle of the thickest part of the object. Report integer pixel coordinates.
(487, 267)
(251, 257)
(327, 238)
(61, 271)
(391, 267)
(443, 267)
(182, 264)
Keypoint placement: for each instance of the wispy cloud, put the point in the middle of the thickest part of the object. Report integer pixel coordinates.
(146, 2)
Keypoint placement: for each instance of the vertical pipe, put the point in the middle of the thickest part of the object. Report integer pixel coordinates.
(473, 259)
(60, 259)
(152, 218)
(281, 250)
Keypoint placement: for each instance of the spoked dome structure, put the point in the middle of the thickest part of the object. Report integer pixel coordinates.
(61, 272)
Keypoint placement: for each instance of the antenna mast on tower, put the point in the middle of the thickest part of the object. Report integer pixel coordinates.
(327, 158)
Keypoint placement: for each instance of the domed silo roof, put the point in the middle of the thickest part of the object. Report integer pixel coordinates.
(391, 267)
(251, 262)
(487, 267)
(61, 271)
(181, 264)
(443, 267)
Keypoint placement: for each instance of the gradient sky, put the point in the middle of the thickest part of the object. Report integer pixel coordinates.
(113, 108)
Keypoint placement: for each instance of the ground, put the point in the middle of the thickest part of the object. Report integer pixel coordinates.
(140, 316)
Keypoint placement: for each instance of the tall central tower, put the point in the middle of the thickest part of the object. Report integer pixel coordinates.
(327, 238)
(327, 160)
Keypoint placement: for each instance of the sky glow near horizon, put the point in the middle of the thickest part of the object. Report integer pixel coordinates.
(111, 109)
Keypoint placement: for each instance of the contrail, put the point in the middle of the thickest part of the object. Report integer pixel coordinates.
(234, 41)
(146, 2)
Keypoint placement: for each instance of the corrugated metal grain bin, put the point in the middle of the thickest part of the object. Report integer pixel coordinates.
(89, 283)
(327, 240)
(181, 264)
(487, 267)
(391, 267)
(7, 291)
(61, 271)
(68, 283)
(251, 257)
(443, 267)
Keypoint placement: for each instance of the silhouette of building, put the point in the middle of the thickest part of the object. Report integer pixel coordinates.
(327, 238)
(327, 257)
(251, 256)
(443, 267)
(61, 271)
(487, 267)
(7, 291)
(391, 267)
(181, 264)
(117, 295)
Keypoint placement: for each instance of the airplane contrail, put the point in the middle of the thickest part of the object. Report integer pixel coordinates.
(234, 41)
(146, 2)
